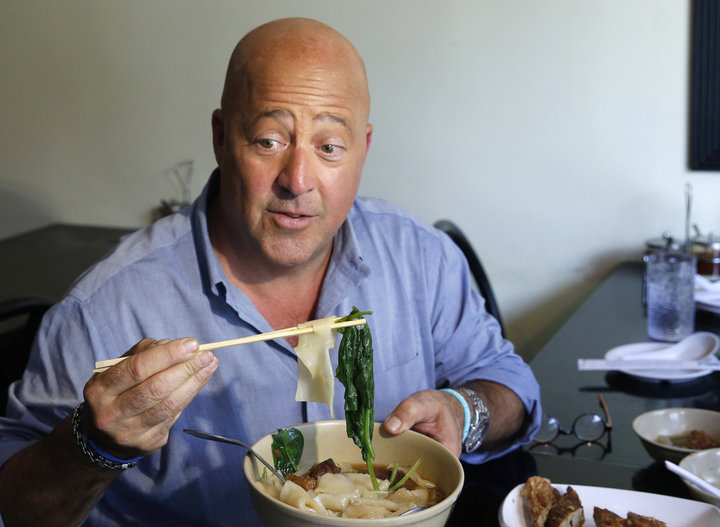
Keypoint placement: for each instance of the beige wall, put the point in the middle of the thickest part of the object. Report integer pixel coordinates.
(554, 132)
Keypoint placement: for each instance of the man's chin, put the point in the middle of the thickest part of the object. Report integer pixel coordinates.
(293, 255)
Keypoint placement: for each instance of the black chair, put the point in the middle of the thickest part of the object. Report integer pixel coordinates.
(476, 268)
(19, 321)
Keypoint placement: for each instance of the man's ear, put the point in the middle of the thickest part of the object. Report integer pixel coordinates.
(218, 133)
(368, 138)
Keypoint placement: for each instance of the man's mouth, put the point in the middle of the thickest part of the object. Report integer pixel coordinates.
(291, 220)
(290, 214)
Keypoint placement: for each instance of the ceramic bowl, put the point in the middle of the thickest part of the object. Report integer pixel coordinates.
(706, 465)
(328, 439)
(652, 427)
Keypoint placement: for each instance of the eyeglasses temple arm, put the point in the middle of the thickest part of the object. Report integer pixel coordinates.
(607, 412)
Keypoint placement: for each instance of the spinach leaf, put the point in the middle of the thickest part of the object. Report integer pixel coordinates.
(287, 448)
(355, 372)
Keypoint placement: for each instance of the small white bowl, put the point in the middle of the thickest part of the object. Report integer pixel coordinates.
(668, 422)
(706, 465)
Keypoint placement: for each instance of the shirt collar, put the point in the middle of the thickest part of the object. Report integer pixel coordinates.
(214, 278)
(346, 271)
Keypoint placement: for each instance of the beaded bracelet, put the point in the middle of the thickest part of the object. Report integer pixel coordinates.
(91, 450)
(466, 409)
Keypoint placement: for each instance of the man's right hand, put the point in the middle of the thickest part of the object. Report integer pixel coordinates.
(131, 407)
(129, 410)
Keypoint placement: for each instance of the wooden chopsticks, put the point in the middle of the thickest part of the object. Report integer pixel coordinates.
(103, 365)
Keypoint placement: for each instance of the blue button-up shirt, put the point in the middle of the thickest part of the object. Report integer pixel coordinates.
(429, 326)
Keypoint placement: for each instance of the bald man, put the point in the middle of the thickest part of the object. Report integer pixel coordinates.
(277, 237)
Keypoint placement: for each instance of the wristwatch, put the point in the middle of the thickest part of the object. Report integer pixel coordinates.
(480, 421)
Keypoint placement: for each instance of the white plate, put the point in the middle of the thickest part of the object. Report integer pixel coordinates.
(626, 351)
(675, 512)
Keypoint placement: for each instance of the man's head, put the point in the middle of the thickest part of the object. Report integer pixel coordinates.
(290, 139)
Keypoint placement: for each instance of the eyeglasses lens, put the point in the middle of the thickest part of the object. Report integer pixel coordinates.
(589, 427)
(590, 451)
(548, 430)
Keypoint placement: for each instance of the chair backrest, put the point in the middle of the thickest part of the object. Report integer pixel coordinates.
(19, 321)
(476, 268)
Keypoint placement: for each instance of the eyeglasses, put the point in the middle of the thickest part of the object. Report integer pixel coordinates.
(585, 450)
(586, 427)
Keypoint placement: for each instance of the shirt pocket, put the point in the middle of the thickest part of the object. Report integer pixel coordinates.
(393, 352)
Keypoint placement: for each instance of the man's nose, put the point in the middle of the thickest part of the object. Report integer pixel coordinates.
(296, 176)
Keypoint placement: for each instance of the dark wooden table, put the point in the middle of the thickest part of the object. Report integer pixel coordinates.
(44, 262)
(613, 315)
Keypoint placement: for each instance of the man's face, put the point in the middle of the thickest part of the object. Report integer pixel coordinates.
(291, 146)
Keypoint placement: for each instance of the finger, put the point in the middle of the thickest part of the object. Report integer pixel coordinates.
(146, 358)
(156, 389)
(137, 422)
(102, 391)
(431, 413)
(156, 435)
(408, 413)
(142, 345)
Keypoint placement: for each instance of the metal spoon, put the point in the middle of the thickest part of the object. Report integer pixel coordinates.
(416, 509)
(223, 439)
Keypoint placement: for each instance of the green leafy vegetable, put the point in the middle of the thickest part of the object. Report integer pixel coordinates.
(399, 484)
(393, 474)
(287, 448)
(355, 372)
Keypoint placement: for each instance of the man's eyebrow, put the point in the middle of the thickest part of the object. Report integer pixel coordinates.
(332, 117)
(278, 114)
(282, 115)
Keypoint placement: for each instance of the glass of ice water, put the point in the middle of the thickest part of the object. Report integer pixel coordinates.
(670, 283)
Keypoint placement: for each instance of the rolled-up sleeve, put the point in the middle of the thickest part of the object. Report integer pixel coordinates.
(470, 346)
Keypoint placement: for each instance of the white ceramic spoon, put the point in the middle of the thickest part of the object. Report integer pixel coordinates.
(692, 478)
(694, 347)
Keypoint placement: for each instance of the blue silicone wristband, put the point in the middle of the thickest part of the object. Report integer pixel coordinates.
(466, 409)
(109, 456)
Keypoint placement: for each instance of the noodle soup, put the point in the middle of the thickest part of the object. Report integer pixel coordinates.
(348, 492)
(439, 479)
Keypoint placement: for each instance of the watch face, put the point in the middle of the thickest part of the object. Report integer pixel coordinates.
(475, 439)
(480, 422)
(471, 447)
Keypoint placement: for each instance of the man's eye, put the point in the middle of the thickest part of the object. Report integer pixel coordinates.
(267, 143)
(328, 149)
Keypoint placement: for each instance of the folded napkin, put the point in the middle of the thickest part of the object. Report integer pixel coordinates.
(706, 291)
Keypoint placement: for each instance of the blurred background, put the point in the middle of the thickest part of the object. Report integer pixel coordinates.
(554, 133)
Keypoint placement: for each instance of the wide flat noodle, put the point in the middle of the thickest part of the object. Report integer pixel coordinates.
(351, 495)
(316, 380)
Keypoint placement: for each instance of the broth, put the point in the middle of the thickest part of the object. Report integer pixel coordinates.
(350, 494)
